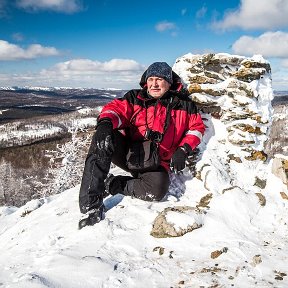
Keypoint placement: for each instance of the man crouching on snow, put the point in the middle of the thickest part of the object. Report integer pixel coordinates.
(159, 123)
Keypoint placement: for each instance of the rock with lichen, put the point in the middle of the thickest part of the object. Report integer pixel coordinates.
(280, 168)
(176, 221)
(233, 93)
(232, 83)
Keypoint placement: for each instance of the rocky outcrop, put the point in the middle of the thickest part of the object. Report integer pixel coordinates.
(239, 89)
(176, 221)
(280, 168)
(234, 95)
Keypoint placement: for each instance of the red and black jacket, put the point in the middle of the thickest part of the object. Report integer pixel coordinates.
(136, 112)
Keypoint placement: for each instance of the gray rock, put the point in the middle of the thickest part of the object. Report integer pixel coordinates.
(176, 221)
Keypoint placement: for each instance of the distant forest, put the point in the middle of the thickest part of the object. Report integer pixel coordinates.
(280, 100)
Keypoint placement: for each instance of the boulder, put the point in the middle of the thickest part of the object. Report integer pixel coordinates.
(176, 221)
(280, 168)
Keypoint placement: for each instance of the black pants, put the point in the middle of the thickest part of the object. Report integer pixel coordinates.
(147, 186)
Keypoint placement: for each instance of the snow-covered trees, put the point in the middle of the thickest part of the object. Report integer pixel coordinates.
(67, 162)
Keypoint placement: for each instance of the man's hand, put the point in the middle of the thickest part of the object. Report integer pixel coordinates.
(103, 136)
(178, 160)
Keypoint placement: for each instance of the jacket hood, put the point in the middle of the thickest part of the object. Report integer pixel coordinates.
(175, 86)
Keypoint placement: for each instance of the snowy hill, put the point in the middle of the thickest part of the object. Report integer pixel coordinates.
(41, 246)
(237, 204)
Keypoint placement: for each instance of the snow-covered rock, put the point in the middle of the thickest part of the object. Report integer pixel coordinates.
(241, 243)
(280, 168)
(242, 90)
(239, 90)
(176, 221)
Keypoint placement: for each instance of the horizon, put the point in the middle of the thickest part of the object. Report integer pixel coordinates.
(77, 43)
(35, 88)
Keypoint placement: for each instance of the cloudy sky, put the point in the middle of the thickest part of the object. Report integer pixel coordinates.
(109, 43)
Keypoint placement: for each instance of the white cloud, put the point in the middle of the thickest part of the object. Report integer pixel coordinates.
(11, 52)
(280, 74)
(256, 14)
(269, 44)
(86, 66)
(66, 6)
(120, 81)
(164, 26)
(284, 64)
(116, 73)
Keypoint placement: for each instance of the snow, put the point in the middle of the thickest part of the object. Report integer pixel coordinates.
(84, 122)
(243, 241)
(281, 156)
(23, 134)
(182, 220)
(42, 247)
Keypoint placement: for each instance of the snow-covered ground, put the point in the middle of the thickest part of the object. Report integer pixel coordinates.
(42, 247)
(243, 240)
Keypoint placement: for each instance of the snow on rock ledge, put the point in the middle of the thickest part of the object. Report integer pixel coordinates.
(176, 221)
(280, 168)
(233, 94)
(241, 90)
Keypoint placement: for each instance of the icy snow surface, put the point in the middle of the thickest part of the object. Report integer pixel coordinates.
(42, 247)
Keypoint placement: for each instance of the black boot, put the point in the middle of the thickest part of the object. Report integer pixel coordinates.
(92, 217)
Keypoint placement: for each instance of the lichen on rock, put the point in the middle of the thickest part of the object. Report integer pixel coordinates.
(233, 94)
(176, 221)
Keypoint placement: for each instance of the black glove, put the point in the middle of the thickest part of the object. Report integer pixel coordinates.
(103, 136)
(178, 160)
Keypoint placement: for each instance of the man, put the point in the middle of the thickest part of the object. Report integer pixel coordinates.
(162, 112)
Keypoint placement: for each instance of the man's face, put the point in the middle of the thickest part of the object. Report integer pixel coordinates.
(157, 86)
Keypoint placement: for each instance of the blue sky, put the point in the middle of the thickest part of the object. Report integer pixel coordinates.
(102, 44)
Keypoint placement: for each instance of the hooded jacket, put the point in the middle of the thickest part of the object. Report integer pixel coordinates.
(174, 116)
